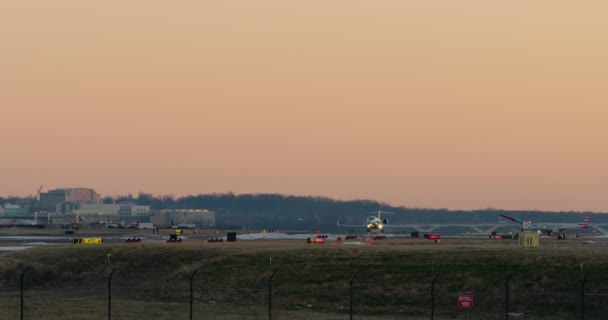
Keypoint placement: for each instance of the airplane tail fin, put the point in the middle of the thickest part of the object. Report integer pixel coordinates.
(511, 218)
(585, 223)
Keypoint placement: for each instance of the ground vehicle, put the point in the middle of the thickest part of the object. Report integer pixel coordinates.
(433, 236)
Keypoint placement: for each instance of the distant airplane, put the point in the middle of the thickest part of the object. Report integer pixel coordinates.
(559, 227)
(374, 223)
(562, 228)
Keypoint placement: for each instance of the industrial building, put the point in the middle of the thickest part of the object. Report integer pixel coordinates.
(62, 200)
(14, 210)
(81, 206)
(122, 213)
(84, 205)
(124, 209)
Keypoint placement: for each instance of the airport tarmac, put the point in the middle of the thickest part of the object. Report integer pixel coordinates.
(22, 239)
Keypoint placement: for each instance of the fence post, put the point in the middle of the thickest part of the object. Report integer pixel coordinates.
(433, 297)
(270, 296)
(507, 296)
(110, 294)
(192, 291)
(583, 280)
(21, 281)
(351, 293)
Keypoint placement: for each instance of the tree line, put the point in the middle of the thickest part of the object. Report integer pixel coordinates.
(278, 211)
(293, 212)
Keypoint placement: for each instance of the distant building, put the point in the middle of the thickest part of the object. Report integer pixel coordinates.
(201, 218)
(62, 200)
(125, 209)
(122, 213)
(12, 210)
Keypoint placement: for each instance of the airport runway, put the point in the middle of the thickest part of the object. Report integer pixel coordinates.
(21, 239)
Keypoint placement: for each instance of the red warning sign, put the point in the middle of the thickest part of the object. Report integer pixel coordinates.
(465, 301)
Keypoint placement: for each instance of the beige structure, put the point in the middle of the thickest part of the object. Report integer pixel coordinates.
(53, 200)
(529, 239)
(122, 213)
(200, 218)
(122, 209)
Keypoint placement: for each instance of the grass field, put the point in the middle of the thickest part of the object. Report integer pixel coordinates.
(393, 279)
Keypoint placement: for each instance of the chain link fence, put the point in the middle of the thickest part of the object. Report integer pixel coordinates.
(286, 294)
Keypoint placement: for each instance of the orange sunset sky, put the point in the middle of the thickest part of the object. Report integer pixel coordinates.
(446, 104)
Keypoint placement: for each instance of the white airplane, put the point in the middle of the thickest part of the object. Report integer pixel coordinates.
(561, 227)
(372, 223)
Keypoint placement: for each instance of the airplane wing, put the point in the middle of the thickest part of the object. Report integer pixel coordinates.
(361, 225)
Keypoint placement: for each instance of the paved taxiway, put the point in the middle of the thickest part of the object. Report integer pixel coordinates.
(21, 239)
